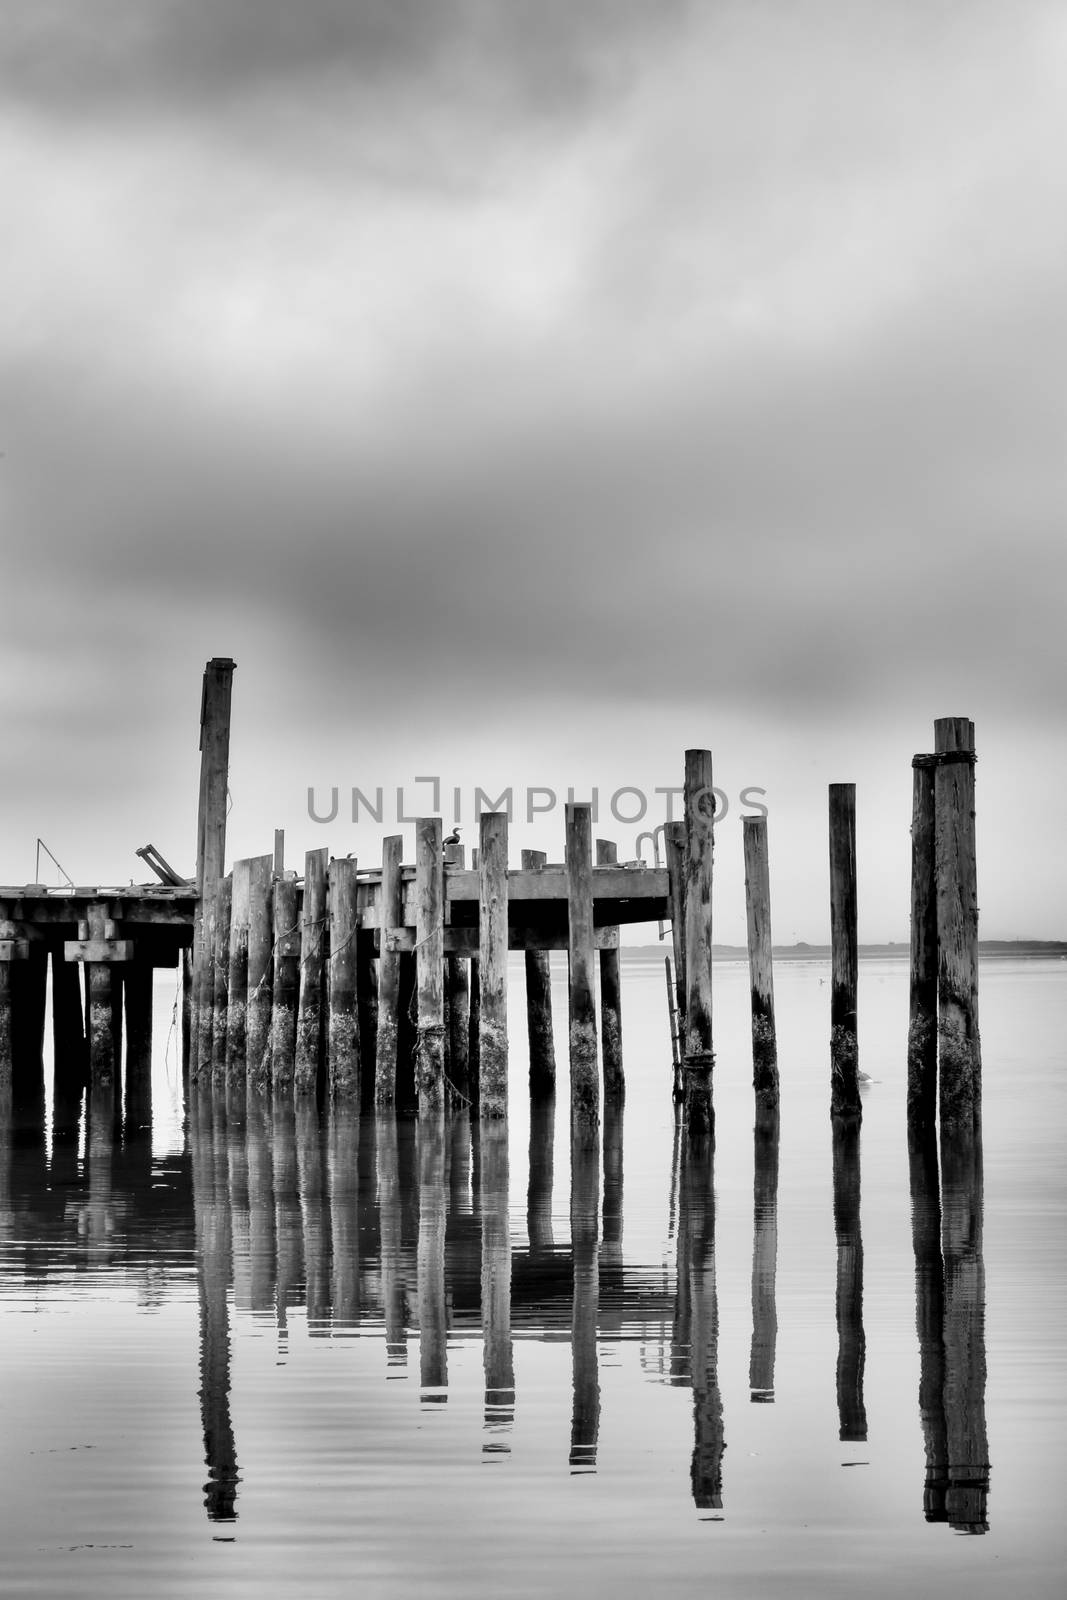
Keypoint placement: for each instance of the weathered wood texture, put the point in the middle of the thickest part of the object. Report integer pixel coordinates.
(959, 1046)
(457, 1001)
(210, 841)
(236, 1029)
(764, 1255)
(539, 1005)
(391, 914)
(607, 855)
(698, 1059)
(760, 964)
(844, 955)
(344, 1050)
(430, 1259)
(496, 1280)
(221, 979)
(493, 963)
(582, 1031)
(103, 991)
(260, 1004)
(851, 1342)
(922, 1000)
(313, 940)
(674, 839)
(585, 1198)
(286, 984)
(429, 931)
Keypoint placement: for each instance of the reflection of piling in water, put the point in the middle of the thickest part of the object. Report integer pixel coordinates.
(316, 1228)
(496, 1286)
(214, 1269)
(391, 1247)
(612, 1286)
(288, 1222)
(698, 1060)
(348, 1150)
(433, 1215)
(760, 964)
(700, 1306)
(607, 855)
(929, 1312)
(100, 1148)
(851, 1344)
(539, 1005)
(459, 1163)
(261, 1224)
(844, 955)
(237, 1181)
(585, 1199)
(764, 1256)
(541, 1163)
(965, 1354)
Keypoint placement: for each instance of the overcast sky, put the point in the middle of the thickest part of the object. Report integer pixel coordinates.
(521, 392)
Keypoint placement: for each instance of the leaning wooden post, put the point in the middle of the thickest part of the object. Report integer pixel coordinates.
(959, 1047)
(457, 999)
(312, 973)
(844, 957)
(922, 1020)
(674, 839)
(430, 963)
(210, 842)
(607, 855)
(254, 1066)
(760, 965)
(698, 1059)
(390, 916)
(539, 1005)
(585, 1077)
(493, 963)
(286, 983)
(344, 1008)
(221, 979)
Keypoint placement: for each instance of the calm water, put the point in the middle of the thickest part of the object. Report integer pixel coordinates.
(246, 1352)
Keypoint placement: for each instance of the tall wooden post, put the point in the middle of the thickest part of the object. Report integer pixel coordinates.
(474, 1059)
(221, 979)
(959, 1046)
(344, 1060)
(457, 998)
(674, 838)
(260, 1003)
(286, 984)
(312, 973)
(922, 1021)
(584, 1072)
(493, 963)
(390, 916)
(236, 1029)
(430, 962)
(844, 955)
(279, 851)
(539, 1005)
(698, 1059)
(607, 855)
(210, 842)
(760, 964)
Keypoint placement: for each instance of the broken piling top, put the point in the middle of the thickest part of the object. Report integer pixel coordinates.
(956, 887)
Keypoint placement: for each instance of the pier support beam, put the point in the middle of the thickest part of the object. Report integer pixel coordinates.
(922, 1020)
(221, 980)
(210, 842)
(844, 958)
(260, 1003)
(493, 963)
(390, 916)
(585, 1076)
(430, 963)
(312, 973)
(959, 1047)
(286, 986)
(457, 1001)
(760, 963)
(344, 1040)
(607, 855)
(674, 839)
(103, 955)
(698, 1059)
(539, 1005)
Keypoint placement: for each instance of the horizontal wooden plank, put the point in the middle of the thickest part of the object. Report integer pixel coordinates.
(464, 941)
(14, 949)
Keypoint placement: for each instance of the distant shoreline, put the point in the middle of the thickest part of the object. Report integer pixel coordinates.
(1019, 949)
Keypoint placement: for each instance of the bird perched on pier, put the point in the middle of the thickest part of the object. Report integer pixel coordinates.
(453, 837)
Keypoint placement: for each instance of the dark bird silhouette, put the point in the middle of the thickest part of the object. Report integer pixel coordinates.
(453, 837)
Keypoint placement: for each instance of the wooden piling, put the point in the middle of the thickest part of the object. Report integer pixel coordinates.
(607, 855)
(698, 1059)
(539, 1005)
(457, 1001)
(210, 841)
(220, 1010)
(760, 963)
(764, 1255)
(279, 851)
(286, 984)
(260, 1003)
(844, 957)
(236, 1029)
(390, 916)
(922, 1020)
(674, 838)
(474, 1059)
(344, 1053)
(309, 1035)
(493, 963)
(430, 1259)
(103, 993)
(430, 956)
(584, 1073)
(959, 1045)
(497, 1353)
